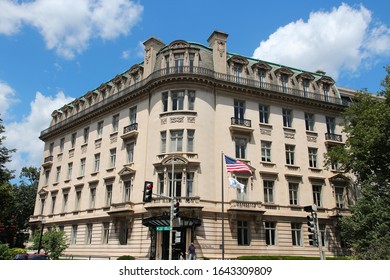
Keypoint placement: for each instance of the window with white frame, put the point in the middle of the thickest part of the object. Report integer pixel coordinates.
(270, 233)
(309, 122)
(268, 191)
(239, 109)
(190, 184)
(126, 191)
(177, 100)
(330, 125)
(100, 129)
(266, 151)
(62, 144)
(305, 85)
(240, 147)
(92, 197)
(112, 158)
(73, 140)
(53, 203)
(133, 114)
(47, 175)
(190, 140)
(108, 194)
(242, 192)
(96, 167)
(339, 195)
(191, 100)
(130, 152)
(163, 136)
(323, 235)
(165, 101)
(176, 140)
(123, 232)
(58, 174)
(86, 135)
(237, 72)
(284, 81)
(179, 62)
(82, 167)
(317, 195)
(175, 184)
(287, 118)
(243, 233)
(313, 161)
(77, 200)
(65, 197)
(115, 123)
(70, 170)
(43, 200)
(264, 113)
(296, 234)
(290, 154)
(293, 193)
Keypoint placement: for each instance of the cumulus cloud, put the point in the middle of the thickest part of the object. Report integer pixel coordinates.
(7, 94)
(338, 40)
(23, 135)
(68, 25)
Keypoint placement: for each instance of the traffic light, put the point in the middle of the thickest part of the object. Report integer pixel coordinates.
(176, 209)
(313, 241)
(148, 191)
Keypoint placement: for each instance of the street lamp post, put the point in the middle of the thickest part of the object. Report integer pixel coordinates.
(40, 237)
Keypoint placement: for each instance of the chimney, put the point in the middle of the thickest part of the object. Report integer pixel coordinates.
(152, 47)
(217, 42)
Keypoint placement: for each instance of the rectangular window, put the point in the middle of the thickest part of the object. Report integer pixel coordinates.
(53, 203)
(86, 135)
(73, 237)
(106, 232)
(177, 100)
(284, 81)
(108, 195)
(58, 174)
(65, 197)
(287, 118)
(176, 140)
(243, 237)
(123, 232)
(290, 154)
(62, 144)
(126, 191)
(82, 167)
(265, 151)
(293, 193)
(115, 123)
(161, 183)
(296, 234)
(242, 192)
(70, 170)
(190, 140)
(323, 235)
(270, 233)
(326, 92)
(165, 101)
(262, 75)
(330, 125)
(305, 84)
(190, 184)
(309, 122)
(42, 206)
(112, 158)
(191, 100)
(133, 115)
(78, 200)
(268, 191)
(88, 234)
(317, 195)
(240, 147)
(177, 179)
(130, 152)
(96, 167)
(339, 193)
(73, 140)
(47, 175)
(239, 109)
(179, 62)
(313, 157)
(100, 129)
(51, 148)
(92, 197)
(163, 142)
(264, 113)
(237, 72)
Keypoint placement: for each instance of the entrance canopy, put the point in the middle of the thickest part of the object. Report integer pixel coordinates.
(164, 221)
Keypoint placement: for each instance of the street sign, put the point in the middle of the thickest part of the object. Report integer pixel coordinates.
(163, 228)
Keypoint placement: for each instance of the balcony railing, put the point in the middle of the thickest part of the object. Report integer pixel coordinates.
(130, 128)
(333, 137)
(241, 122)
(198, 72)
(48, 161)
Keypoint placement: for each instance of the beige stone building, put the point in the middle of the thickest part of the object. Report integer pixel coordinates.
(171, 118)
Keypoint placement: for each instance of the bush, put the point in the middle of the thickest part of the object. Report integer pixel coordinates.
(126, 258)
(14, 251)
(4, 252)
(287, 258)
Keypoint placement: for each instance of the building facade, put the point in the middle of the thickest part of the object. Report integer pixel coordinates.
(170, 120)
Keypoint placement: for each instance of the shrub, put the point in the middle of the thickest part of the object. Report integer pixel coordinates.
(126, 258)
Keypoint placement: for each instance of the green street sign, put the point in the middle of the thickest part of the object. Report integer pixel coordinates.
(163, 228)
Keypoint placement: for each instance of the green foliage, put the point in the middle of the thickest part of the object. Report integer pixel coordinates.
(126, 257)
(54, 242)
(286, 258)
(5, 156)
(4, 252)
(366, 154)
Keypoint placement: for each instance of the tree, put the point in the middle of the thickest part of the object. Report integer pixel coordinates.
(54, 242)
(366, 154)
(5, 156)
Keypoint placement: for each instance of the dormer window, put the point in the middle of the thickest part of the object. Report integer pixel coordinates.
(179, 62)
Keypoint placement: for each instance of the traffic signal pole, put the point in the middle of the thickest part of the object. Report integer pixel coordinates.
(319, 237)
(314, 229)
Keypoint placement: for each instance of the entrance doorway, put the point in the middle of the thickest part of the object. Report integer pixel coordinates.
(178, 243)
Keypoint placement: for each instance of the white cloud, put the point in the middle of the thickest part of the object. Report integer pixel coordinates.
(6, 99)
(68, 25)
(335, 41)
(24, 135)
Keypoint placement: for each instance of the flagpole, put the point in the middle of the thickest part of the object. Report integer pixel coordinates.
(223, 210)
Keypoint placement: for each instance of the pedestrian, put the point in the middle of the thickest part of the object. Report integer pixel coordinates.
(191, 251)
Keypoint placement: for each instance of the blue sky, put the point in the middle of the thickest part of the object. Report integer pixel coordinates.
(52, 51)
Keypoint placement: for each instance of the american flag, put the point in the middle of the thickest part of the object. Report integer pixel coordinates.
(233, 165)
